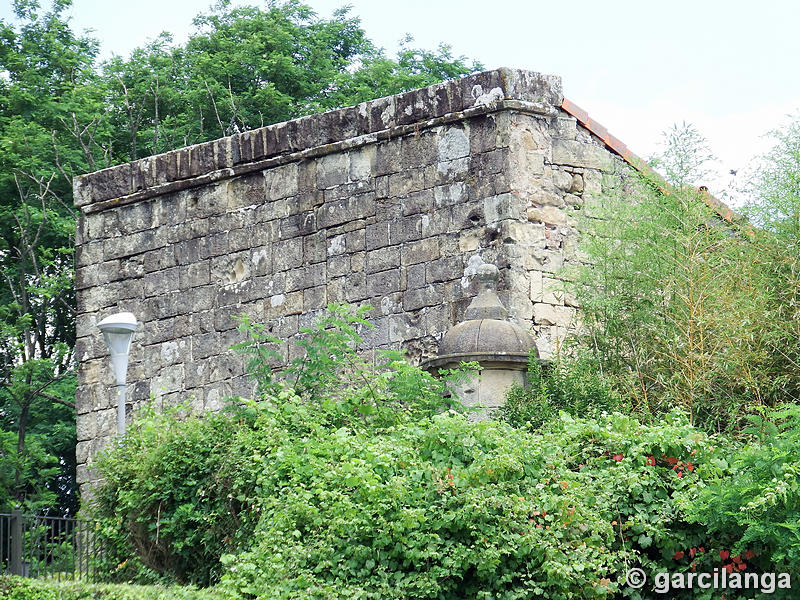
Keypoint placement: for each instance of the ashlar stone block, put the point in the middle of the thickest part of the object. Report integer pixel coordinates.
(248, 190)
(453, 143)
(362, 162)
(419, 252)
(382, 259)
(580, 154)
(332, 170)
(281, 182)
(548, 314)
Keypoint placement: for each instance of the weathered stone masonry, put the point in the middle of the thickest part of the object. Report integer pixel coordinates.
(393, 202)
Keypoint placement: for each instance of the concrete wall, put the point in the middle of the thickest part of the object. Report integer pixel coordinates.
(391, 203)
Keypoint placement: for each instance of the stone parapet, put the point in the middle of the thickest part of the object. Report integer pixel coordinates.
(317, 134)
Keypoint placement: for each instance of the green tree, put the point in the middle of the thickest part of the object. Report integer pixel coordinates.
(247, 67)
(147, 101)
(379, 75)
(47, 134)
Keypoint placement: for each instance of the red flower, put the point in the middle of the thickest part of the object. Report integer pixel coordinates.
(692, 552)
(617, 457)
(741, 566)
(702, 549)
(651, 461)
(729, 568)
(680, 473)
(748, 554)
(724, 554)
(677, 556)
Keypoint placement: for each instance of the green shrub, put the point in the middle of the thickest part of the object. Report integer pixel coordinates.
(571, 385)
(154, 504)
(752, 501)
(453, 509)
(180, 490)
(434, 507)
(18, 588)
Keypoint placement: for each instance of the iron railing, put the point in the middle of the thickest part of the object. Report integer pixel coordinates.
(49, 547)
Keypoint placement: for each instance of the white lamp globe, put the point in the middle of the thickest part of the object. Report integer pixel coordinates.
(118, 330)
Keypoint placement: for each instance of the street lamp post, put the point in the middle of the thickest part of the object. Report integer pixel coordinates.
(118, 331)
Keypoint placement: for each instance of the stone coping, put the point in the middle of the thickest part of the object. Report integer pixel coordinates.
(318, 134)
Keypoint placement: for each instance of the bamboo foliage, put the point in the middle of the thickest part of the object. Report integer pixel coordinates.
(680, 306)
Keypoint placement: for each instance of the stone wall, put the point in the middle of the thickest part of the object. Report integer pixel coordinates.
(392, 203)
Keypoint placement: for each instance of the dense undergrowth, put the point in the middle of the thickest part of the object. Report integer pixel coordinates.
(344, 480)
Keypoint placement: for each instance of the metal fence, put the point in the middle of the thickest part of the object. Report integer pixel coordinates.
(49, 547)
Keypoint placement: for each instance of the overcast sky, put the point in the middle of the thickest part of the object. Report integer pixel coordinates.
(728, 67)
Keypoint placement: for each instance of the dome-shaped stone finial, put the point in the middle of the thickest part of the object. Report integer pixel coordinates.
(486, 336)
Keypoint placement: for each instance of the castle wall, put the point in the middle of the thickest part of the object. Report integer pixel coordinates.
(392, 203)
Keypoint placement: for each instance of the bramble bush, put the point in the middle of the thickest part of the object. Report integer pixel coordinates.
(449, 509)
(754, 503)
